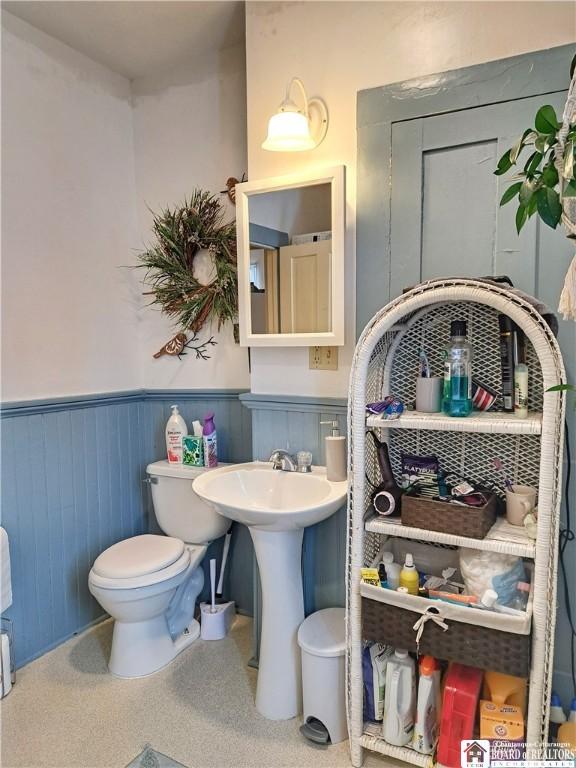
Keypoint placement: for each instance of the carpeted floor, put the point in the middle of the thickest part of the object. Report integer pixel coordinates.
(67, 711)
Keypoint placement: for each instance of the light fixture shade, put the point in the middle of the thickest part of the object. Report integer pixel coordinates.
(288, 131)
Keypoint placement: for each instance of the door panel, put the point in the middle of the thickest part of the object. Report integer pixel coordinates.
(445, 213)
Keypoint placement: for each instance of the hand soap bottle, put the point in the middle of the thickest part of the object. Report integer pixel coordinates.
(335, 454)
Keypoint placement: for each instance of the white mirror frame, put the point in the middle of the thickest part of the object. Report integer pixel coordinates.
(335, 338)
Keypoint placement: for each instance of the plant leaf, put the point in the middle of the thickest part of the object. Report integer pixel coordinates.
(562, 388)
(549, 175)
(533, 162)
(541, 142)
(570, 189)
(519, 146)
(532, 206)
(510, 193)
(546, 120)
(521, 217)
(549, 207)
(527, 189)
(504, 164)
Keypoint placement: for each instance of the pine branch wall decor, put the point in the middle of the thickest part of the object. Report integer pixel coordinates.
(180, 234)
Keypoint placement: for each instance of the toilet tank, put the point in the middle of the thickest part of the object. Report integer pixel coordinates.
(180, 512)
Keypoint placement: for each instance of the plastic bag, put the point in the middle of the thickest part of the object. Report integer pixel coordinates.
(491, 570)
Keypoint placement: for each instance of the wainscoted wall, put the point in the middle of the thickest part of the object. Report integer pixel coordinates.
(293, 422)
(72, 472)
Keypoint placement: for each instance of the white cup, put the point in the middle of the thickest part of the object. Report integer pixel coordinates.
(520, 501)
(429, 394)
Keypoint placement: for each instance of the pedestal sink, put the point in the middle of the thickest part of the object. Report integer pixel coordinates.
(276, 506)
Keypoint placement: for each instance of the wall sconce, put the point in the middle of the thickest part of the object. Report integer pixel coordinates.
(294, 130)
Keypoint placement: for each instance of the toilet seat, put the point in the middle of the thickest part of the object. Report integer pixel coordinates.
(138, 556)
(191, 556)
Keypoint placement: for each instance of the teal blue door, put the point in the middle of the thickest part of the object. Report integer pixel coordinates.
(428, 204)
(445, 213)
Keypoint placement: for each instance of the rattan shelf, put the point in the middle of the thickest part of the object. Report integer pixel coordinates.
(502, 537)
(385, 361)
(482, 422)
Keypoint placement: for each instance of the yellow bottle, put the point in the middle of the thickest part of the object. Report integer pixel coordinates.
(409, 576)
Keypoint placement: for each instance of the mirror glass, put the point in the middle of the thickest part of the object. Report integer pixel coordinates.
(290, 232)
(291, 260)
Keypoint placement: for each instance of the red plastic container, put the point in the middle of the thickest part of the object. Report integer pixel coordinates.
(462, 687)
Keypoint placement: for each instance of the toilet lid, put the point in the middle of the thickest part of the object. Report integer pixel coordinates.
(138, 556)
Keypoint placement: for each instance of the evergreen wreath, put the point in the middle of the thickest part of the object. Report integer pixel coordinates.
(180, 233)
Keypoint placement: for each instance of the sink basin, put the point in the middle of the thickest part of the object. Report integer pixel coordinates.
(276, 506)
(262, 497)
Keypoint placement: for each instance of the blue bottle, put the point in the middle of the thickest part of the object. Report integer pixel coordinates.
(457, 396)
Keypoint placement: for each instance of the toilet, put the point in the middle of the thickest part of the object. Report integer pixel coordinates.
(149, 584)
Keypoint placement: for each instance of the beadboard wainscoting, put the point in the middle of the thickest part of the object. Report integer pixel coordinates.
(72, 471)
(293, 423)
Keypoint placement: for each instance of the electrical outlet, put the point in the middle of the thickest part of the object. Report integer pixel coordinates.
(323, 358)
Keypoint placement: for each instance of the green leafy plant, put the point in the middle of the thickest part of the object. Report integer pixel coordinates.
(180, 233)
(537, 186)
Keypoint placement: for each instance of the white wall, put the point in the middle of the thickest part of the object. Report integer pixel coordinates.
(339, 48)
(189, 131)
(68, 221)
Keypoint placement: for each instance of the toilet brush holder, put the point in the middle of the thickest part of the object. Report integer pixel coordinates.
(215, 622)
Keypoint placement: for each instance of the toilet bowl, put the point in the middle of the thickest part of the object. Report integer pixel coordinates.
(149, 584)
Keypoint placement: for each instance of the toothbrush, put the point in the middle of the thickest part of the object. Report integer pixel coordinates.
(213, 585)
(500, 467)
(424, 365)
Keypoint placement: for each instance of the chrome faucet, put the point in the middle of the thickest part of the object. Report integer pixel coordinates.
(286, 462)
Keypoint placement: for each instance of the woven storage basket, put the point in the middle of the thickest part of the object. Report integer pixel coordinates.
(475, 522)
(469, 644)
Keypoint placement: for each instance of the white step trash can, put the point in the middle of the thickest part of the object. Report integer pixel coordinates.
(322, 638)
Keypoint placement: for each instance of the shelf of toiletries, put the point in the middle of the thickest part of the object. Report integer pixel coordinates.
(486, 422)
(502, 537)
(424, 708)
(518, 623)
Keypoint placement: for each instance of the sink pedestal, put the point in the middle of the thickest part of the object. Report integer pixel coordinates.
(279, 688)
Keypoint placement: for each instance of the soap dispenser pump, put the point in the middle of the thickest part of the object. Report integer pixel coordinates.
(335, 453)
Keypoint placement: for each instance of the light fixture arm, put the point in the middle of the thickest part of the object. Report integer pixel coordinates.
(296, 81)
(322, 125)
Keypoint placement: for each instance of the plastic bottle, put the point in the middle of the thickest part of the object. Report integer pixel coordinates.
(428, 706)
(557, 716)
(409, 575)
(457, 397)
(210, 441)
(176, 429)
(520, 599)
(393, 575)
(399, 699)
(521, 391)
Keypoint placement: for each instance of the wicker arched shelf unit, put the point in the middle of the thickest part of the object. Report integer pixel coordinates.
(386, 361)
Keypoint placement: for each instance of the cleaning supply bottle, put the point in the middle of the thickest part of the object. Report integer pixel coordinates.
(176, 429)
(457, 397)
(409, 575)
(210, 441)
(521, 391)
(428, 706)
(557, 716)
(399, 699)
(336, 470)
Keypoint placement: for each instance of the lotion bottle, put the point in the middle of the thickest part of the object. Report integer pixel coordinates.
(176, 429)
(335, 454)
(409, 575)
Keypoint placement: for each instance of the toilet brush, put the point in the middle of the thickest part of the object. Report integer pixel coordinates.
(220, 588)
(215, 620)
(213, 585)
